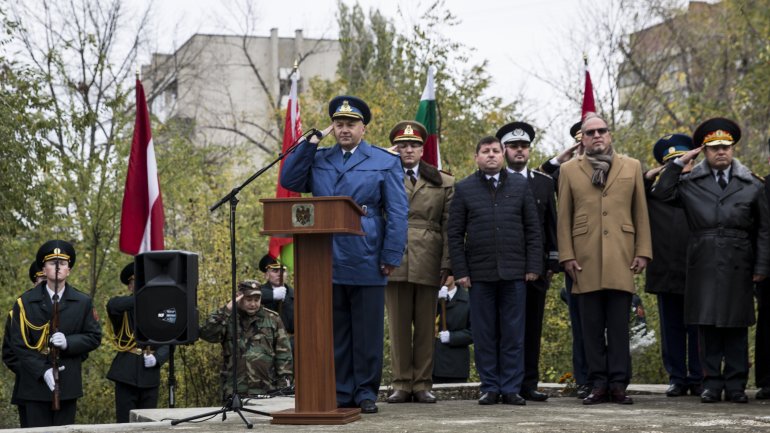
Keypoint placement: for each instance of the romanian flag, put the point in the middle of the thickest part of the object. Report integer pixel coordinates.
(426, 114)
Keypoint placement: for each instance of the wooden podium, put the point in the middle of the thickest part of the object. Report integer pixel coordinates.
(312, 221)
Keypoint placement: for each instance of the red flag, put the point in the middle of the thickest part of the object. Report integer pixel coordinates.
(141, 220)
(588, 93)
(292, 130)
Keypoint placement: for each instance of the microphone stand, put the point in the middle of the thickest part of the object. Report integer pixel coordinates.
(233, 402)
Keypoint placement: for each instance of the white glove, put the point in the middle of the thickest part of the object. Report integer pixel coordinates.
(150, 361)
(443, 292)
(444, 336)
(48, 377)
(279, 293)
(59, 340)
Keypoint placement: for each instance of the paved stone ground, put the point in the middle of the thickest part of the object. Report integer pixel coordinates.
(652, 412)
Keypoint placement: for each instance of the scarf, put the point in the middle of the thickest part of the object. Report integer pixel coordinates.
(601, 165)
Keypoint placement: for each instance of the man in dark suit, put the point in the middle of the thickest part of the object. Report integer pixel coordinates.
(135, 370)
(762, 346)
(517, 137)
(666, 276)
(33, 337)
(495, 246)
(276, 294)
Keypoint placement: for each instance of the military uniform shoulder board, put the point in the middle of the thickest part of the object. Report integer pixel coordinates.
(447, 173)
(541, 173)
(758, 177)
(269, 311)
(387, 150)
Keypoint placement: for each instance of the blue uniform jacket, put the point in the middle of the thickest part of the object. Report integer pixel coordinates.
(373, 177)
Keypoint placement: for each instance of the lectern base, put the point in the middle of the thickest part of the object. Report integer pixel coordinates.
(335, 417)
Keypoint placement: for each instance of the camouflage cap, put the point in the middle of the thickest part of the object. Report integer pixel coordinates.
(249, 288)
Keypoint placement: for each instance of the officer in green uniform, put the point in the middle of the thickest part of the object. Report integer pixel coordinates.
(265, 362)
(135, 369)
(32, 336)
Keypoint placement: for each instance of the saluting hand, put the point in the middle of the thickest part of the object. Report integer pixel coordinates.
(238, 298)
(690, 155)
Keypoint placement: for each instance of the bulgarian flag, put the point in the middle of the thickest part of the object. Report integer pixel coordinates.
(426, 114)
(282, 249)
(588, 93)
(141, 219)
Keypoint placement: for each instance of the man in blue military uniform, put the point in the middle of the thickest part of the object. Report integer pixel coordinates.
(373, 177)
(135, 369)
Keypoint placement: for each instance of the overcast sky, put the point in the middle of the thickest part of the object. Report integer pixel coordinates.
(518, 37)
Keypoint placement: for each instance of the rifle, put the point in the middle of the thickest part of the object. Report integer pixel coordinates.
(55, 350)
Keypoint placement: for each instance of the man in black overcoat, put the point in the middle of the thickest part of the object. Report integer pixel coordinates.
(728, 251)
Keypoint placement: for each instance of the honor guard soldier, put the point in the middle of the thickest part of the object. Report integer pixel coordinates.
(411, 292)
(373, 177)
(10, 359)
(517, 138)
(666, 275)
(41, 345)
(264, 352)
(727, 252)
(135, 369)
(276, 294)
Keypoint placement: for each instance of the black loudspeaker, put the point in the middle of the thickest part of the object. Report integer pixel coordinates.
(166, 297)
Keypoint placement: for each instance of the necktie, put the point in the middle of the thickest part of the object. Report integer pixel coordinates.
(493, 183)
(721, 179)
(413, 179)
(345, 157)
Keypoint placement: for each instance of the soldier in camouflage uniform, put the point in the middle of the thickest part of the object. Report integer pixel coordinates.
(265, 360)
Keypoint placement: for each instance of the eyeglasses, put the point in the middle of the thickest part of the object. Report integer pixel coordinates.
(592, 132)
(412, 144)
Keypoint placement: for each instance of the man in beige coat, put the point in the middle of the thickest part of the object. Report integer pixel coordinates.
(411, 292)
(604, 239)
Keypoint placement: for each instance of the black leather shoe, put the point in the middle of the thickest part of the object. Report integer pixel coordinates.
(514, 399)
(763, 393)
(620, 397)
(737, 397)
(676, 390)
(696, 389)
(368, 406)
(583, 391)
(711, 396)
(596, 396)
(424, 396)
(533, 395)
(399, 396)
(489, 398)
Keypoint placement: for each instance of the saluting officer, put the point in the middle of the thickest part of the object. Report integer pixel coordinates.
(411, 292)
(666, 275)
(373, 177)
(135, 370)
(517, 138)
(728, 251)
(78, 333)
